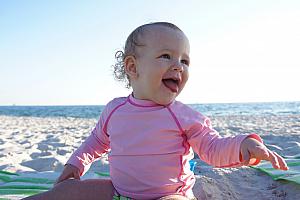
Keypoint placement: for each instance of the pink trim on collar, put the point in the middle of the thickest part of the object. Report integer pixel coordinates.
(141, 102)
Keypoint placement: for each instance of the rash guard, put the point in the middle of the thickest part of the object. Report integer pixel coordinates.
(149, 147)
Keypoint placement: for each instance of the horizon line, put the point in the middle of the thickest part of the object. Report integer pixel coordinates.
(245, 102)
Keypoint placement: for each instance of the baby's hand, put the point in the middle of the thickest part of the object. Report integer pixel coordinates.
(251, 148)
(69, 171)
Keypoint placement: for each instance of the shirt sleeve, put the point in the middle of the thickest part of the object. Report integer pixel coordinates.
(92, 148)
(216, 150)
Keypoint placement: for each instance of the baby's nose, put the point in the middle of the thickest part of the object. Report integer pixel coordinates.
(177, 66)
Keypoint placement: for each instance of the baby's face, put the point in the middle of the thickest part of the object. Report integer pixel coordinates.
(162, 65)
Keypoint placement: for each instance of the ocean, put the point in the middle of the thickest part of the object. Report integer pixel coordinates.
(219, 109)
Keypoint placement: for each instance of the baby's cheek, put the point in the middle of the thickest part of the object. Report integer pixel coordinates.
(186, 76)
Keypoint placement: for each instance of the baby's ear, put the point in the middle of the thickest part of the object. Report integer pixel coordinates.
(130, 66)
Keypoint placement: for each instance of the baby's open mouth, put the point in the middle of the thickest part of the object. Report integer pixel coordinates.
(172, 84)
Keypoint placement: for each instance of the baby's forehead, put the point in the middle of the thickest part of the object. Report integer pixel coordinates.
(164, 37)
(156, 30)
(159, 33)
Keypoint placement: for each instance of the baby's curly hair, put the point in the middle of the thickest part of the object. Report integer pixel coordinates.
(131, 44)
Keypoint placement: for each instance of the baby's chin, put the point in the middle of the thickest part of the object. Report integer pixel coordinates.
(164, 101)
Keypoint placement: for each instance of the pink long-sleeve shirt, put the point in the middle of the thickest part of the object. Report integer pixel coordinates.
(150, 146)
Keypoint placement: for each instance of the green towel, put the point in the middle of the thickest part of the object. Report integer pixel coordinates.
(293, 174)
(24, 184)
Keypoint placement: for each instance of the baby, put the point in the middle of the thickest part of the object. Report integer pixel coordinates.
(149, 136)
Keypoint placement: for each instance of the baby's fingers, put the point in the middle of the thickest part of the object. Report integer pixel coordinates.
(276, 160)
(280, 162)
(76, 175)
(63, 177)
(252, 149)
(273, 159)
(60, 179)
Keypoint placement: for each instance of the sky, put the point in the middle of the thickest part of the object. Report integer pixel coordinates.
(55, 52)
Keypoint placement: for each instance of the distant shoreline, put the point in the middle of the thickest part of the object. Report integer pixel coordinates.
(94, 111)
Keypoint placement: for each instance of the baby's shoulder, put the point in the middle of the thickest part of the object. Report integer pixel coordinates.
(111, 105)
(186, 113)
(117, 101)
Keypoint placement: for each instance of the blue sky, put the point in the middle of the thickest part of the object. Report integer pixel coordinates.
(61, 52)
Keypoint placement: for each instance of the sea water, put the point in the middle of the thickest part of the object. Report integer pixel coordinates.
(219, 109)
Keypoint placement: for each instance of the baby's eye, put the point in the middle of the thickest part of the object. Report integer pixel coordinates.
(166, 56)
(186, 62)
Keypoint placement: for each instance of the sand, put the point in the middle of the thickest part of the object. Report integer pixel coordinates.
(44, 144)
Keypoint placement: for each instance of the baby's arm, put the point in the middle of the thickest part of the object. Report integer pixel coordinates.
(95, 145)
(212, 148)
(92, 148)
(230, 151)
(253, 149)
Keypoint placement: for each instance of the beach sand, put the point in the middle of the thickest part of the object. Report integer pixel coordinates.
(44, 144)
